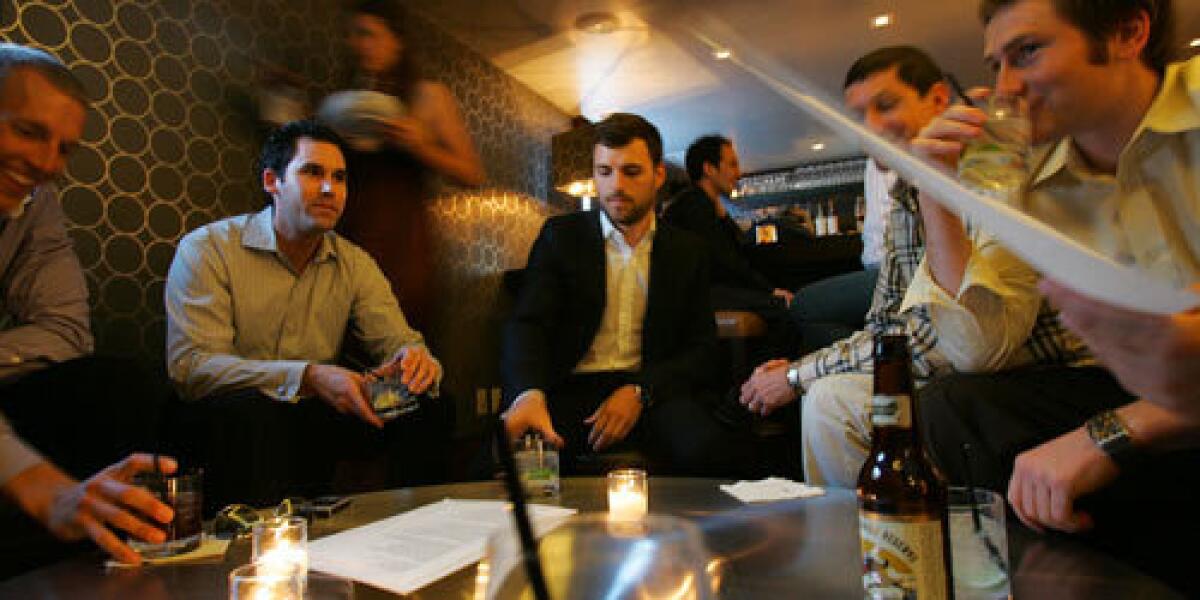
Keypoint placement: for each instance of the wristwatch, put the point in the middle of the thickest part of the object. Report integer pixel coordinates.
(793, 378)
(1111, 435)
(643, 394)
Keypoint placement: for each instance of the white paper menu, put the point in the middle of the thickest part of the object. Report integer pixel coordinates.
(404, 553)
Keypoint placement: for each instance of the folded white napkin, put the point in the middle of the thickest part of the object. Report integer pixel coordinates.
(770, 489)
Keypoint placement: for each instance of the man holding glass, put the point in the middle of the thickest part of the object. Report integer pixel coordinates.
(963, 309)
(1118, 129)
(44, 300)
(257, 309)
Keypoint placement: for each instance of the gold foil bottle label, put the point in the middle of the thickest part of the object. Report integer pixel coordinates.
(902, 557)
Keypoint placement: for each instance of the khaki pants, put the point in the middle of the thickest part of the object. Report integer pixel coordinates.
(835, 427)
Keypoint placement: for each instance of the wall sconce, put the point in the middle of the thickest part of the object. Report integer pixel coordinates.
(571, 164)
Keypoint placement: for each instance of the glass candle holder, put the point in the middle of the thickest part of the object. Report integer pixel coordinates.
(280, 545)
(627, 494)
(254, 582)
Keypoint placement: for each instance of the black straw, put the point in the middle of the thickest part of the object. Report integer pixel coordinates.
(975, 519)
(958, 89)
(533, 563)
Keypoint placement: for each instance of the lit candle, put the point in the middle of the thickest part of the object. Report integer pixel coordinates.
(627, 498)
(280, 546)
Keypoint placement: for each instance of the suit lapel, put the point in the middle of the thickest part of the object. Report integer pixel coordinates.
(658, 297)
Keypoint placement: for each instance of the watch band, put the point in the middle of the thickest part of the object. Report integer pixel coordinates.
(793, 378)
(643, 395)
(1110, 434)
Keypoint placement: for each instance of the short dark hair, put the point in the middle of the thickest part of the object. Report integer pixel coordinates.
(913, 65)
(704, 151)
(620, 129)
(14, 56)
(280, 147)
(1099, 19)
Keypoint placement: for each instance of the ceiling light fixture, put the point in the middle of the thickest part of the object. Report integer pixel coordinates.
(819, 146)
(884, 20)
(722, 53)
(602, 22)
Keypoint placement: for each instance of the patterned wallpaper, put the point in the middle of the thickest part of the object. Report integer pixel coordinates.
(171, 138)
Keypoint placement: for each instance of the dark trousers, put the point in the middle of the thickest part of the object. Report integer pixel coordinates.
(1003, 414)
(677, 435)
(257, 450)
(82, 415)
(87, 413)
(833, 308)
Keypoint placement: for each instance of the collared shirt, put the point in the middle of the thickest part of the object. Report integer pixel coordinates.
(618, 342)
(1148, 213)
(44, 314)
(995, 320)
(239, 316)
(877, 186)
(15, 456)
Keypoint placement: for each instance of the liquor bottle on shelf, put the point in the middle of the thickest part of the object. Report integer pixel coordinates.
(831, 223)
(820, 222)
(860, 214)
(902, 499)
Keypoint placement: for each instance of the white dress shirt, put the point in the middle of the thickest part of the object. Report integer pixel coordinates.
(877, 185)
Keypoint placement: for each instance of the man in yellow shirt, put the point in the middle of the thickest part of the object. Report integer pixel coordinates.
(1120, 134)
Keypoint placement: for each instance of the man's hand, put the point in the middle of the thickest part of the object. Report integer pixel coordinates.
(1047, 481)
(1155, 357)
(944, 138)
(418, 370)
(615, 418)
(531, 414)
(73, 510)
(784, 294)
(340, 388)
(767, 389)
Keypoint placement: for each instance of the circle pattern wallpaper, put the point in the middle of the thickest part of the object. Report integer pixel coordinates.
(172, 135)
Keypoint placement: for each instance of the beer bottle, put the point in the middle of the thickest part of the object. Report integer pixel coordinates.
(902, 513)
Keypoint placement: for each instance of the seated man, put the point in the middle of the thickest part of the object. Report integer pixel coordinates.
(80, 411)
(257, 308)
(63, 399)
(712, 166)
(1077, 449)
(991, 298)
(608, 344)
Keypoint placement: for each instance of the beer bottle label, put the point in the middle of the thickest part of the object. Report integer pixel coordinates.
(891, 410)
(902, 557)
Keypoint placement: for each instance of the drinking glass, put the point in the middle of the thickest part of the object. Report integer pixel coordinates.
(254, 582)
(182, 492)
(537, 464)
(978, 544)
(997, 163)
(590, 557)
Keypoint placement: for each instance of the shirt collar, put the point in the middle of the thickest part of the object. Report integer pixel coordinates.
(260, 235)
(1175, 109)
(610, 231)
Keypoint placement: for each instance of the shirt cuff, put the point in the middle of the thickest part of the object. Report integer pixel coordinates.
(288, 387)
(522, 397)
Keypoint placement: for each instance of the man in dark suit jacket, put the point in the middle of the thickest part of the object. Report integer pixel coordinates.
(612, 341)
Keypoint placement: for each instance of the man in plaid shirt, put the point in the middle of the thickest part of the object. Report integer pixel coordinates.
(987, 325)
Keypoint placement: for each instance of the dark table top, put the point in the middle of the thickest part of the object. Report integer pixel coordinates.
(804, 548)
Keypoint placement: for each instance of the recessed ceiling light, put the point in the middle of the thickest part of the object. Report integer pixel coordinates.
(819, 146)
(600, 22)
(1195, 43)
(722, 53)
(883, 20)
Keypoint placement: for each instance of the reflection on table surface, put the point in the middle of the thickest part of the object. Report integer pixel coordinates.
(765, 551)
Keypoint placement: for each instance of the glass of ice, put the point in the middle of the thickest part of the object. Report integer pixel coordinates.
(996, 164)
(978, 544)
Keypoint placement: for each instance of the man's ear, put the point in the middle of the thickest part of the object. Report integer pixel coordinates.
(939, 93)
(660, 175)
(270, 181)
(710, 169)
(1131, 37)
